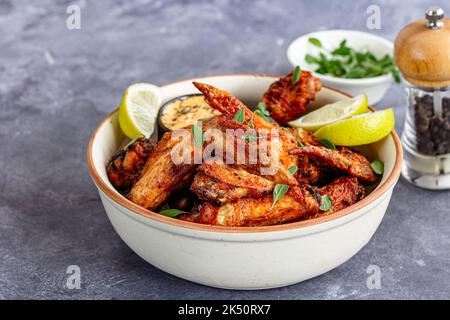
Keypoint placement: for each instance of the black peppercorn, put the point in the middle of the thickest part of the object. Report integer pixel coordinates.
(433, 131)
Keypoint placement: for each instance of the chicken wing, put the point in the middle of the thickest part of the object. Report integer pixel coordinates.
(309, 171)
(221, 183)
(126, 165)
(161, 175)
(343, 159)
(305, 137)
(275, 147)
(287, 101)
(228, 104)
(298, 203)
(344, 192)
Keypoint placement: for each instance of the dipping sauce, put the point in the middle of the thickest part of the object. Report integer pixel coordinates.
(185, 111)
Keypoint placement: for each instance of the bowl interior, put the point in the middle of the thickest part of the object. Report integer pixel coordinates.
(330, 40)
(249, 88)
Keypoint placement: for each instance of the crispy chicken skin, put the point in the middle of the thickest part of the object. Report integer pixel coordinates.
(229, 105)
(161, 175)
(125, 167)
(221, 183)
(343, 159)
(344, 192)
(309, 171)
(287, 101)
(305, 137)
(298, 203)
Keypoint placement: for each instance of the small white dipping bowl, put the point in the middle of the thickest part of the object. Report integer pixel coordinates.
(242, 258)
(375, 87)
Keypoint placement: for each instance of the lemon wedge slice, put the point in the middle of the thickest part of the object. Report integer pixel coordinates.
(360, 129)
(138, 109)
(332, 112)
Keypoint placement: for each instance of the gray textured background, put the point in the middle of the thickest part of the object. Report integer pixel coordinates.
(57, 84)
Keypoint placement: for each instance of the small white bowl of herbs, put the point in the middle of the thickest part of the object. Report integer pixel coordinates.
(353, 61)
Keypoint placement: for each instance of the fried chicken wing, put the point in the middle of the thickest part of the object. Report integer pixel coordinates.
(309, 171)
(305, 137)
(161, 175)
(343, 192)
(287, 101)
(278, 146)
(221, 183)
(343, 159)
(228, 104)
(298, 203)
(126, 165)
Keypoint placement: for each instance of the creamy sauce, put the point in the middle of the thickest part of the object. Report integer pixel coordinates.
(186, 112)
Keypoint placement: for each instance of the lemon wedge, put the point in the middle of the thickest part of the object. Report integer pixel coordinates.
(138, 109)
(360, 129)
(332, 112)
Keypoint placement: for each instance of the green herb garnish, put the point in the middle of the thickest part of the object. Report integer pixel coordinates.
(252, 126)
(263, 112)
(377, 167)
(278, 192)
(239, 116)
(293, 169)
(129, 144)
(250, 138)
(315, 42)
(296, 75)
(172, 213)
(299, 143)
(325, 203)
(198, 135)
(345, 62)
(328, 144)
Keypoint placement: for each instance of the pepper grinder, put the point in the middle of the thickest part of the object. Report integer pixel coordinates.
(422, 53)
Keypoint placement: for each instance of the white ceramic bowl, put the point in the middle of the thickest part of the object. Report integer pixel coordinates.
(375, 88)
(242, 258)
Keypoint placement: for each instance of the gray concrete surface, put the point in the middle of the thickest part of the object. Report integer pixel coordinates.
(56, 85)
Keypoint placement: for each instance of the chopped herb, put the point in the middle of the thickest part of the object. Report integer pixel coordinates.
(293, 169)
(132, 142)
(328, 144)
(296, 75)
(252, 126)
(396, 74)
(299, 143)
(250, 138)
(315, 42)
(198, 135)
(263, 112)
(239, 116)
(310, 59)
(325, 203)
(278, 192)
(172, 213)
(343, 50)
(377, 167)
(345, 62)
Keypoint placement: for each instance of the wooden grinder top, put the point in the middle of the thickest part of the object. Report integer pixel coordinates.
(422, 50)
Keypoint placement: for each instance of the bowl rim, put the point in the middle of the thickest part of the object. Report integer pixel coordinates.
(337, 80)
(145, 213)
